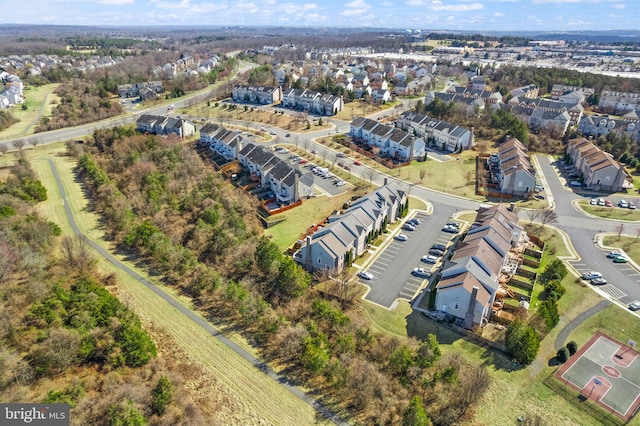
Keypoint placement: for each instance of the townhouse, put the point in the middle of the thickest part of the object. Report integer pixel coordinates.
(600, 125)
(131, 90)
(599, 171)
(619, 103)
(471, 280)
(162, 125)
(531, 108)
(489, 98)
(560, 90)
(225, 142)
(391, 142)
(312, 101)
(528, 91)
(439, 132)
(287, 183)
(345, 236)
(264, 95)
(511, 168)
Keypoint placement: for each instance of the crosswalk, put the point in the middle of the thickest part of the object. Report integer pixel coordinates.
(613, 291)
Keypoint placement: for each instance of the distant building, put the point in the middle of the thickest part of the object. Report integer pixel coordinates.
(264, 95)
(161, 125)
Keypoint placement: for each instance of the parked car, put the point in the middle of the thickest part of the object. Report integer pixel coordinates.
(365, 275)
(575, 183)
(303, 161)
(429, 258)
(538, 188)
(607, 203)
(341, 155)
(539, 197)
(314, 152)
(454, 225)
(408, 227)
(593, 201)
(601, 202)
(413, 222)
(401, 237)
(340, 183)
(357, 163)
(598, 281)
(450, 229)
(441, 247)
(623, 204)
(287, 135)
(632, 205)
(421, 272)
(620, 259)
(591, 275)
(635, 305)
(613, 254)
(436, 252)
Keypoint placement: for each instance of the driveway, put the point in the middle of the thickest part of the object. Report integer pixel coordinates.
(391, 270)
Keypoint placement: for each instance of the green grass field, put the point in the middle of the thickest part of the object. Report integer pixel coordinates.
(38, 101)
(631, 245)
(614, 213)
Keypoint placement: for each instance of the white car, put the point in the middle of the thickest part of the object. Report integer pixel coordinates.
(594, 202)
(632, 205)
(421, 272)
(575, 183)
(591, 275)
(601, 202)
(365, 275)
(340, 183)
(598, 281)
(429, 258)
(401, 237)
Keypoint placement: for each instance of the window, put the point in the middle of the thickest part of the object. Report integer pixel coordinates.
(319, 260)
(457, 305)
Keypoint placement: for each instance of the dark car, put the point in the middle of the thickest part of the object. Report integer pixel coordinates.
(414, 222)
(436, 252)
(440, 247)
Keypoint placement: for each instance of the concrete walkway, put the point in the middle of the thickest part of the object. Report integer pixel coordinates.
(564, 333)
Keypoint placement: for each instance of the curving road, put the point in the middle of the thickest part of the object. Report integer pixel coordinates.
(259, 365)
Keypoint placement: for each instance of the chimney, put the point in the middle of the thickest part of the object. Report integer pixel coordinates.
(468, 319)
(307, 261)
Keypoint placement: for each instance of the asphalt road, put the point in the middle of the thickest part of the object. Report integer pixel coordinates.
(259, 365)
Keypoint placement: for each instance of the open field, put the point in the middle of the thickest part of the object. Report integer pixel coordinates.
(227, 386)
(615, 213)
(39, 103)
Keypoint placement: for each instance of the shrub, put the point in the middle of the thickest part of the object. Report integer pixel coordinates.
(522, 342)
(563, 355)
(572, 347)
(161, 396)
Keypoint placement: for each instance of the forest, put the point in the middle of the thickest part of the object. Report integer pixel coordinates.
(161, 202)
(65, 338)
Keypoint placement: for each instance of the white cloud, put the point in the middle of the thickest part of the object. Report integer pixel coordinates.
(618, 6)
(355, 8)
(415, 3)
(498, 14)
(456, 7)
(613, 15)
(357, 3)
(386, 4)
(566, 1)
(116, 2)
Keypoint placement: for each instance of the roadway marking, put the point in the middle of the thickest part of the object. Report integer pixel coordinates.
(613, 291)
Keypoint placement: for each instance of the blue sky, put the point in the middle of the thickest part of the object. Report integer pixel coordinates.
(469, 15)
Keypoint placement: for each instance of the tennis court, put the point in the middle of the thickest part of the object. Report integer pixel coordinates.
(606, 372)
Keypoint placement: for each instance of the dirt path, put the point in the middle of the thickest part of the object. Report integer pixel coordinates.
(234, 386)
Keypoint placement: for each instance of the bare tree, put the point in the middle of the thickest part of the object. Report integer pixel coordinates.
(370, 174)
(548, 216)
(422, 174)
(333, 158)
(619, 230)
(306, 143)
(637, 234)
(533, 214)
(469, 176)
(18, 143)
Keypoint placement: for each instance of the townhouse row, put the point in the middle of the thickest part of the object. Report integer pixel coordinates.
(391, 142)
(599, 171)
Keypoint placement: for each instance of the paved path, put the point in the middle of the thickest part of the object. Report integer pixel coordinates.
(259, 365)
(564, 333)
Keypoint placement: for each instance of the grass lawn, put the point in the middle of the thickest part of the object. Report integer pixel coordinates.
(300, 219)
(38, 102)
(631, 245)
(610, 212)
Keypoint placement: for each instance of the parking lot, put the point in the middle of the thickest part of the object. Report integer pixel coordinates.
(391, 271)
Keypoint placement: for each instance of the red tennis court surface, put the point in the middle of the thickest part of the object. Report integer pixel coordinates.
(606, 372)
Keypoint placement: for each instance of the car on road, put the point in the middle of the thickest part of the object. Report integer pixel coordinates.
(635, 305)
(401, 237)
(591, 275)
(341, 155)
(620, 259)
(365, 275)
(613, 254)
(593, 201)
(314, 152)
(450, 229)
(340, 183)
(408, 227)
(271, 132)
(303, 161)
(598, 281)
(441, 247)
(575, 183)
(623, 204)
(413, 222)
(429, 258)
(287, 135)
(436, 252)
(632, 205)
(421, 272)
(607, 203)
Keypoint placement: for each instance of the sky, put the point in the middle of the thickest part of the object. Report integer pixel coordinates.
(465, 15)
